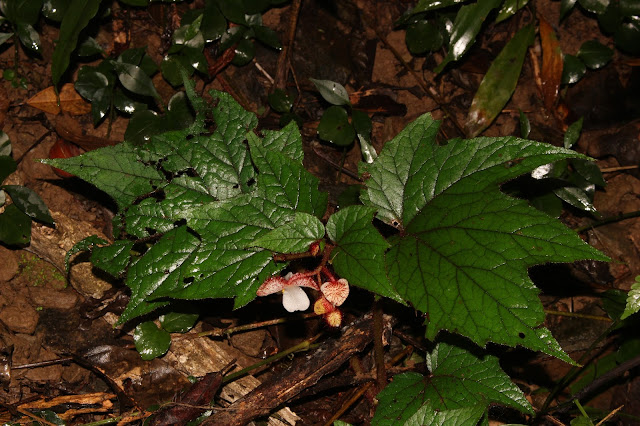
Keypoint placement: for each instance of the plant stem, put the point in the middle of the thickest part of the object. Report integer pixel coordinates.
(608, 220)
(576, 315)
(302, 346)
(16, 58)
(228, 331)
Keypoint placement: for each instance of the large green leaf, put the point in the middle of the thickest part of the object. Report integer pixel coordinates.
(359, 252)
(498, 84)
(292, 237)
(465, 247)
(202, 199)
(117, 170)
(285, 181)
(459, 379)
(78, 15)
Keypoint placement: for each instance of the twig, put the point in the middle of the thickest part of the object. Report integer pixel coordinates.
(608, 220)
(611, 414)
(576, 315)
(336, 165)
(605, 378)
(618, 169)
(227, 331)
(283, 58)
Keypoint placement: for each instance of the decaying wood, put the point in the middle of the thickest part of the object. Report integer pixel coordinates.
(304, 373)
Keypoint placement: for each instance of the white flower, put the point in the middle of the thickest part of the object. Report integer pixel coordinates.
(293, 296)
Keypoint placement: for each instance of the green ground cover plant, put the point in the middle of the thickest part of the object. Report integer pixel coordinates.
(217, 213)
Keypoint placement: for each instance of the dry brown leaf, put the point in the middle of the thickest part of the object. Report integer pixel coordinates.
(70, 101)
(551, 64)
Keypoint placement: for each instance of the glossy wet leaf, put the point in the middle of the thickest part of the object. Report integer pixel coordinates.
(171, 66)
(466, 26)
(332, 92)
(89, 47)
(233, 10)
(245, 52)
(572, 134)
(196, 59)
(89, 82)
(213, 23)
(21, 11)
(295, 236)
(594, 54)
(627, 37)
(573, 70)
(280, 101)
(151, 342)
(363, 127)
(427, 5)
(78, 15)
(575, 197)
(458, 379)
(178, 322)
(565, 7)
(179, 112)
(466, 247)
(55, 9)
(125, 104)
(499, 82)
(509, 8)
(423, 36)
(29, 37)
(589, 171)
(334, 127)
(187, 32)
(360, 250)
(594, 6)
(29, 202)
(134, 78)
(15, 226)
(267, 36)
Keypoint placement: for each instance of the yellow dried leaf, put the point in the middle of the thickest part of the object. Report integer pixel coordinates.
(70, 101)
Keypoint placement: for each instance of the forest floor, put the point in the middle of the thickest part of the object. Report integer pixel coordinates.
(44, 317)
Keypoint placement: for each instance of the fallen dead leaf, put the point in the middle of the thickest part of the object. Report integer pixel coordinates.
(70, 101)
(551, 64)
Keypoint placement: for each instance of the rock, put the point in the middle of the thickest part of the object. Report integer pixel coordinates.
(19, 317)
(8, 264)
